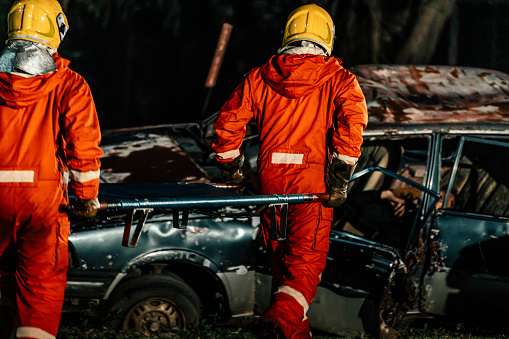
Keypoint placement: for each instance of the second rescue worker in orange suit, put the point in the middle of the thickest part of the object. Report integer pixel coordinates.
(310, 114)
(49, 133)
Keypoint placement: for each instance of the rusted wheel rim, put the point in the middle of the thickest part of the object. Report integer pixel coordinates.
(153, 315)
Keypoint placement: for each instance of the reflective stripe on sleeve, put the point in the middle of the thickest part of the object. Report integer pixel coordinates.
(32, 332)
(299, 297)
(228, 155)
(287, 158)
(85, 176)
(65, 177)
(347, 159)
(17, 176)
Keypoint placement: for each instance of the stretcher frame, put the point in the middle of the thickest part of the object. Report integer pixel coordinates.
(138, 209)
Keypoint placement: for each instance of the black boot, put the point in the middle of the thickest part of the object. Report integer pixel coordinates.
(268, 330)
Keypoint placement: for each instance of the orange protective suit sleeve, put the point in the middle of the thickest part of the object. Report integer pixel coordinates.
(351, 118)
(230, 125)
(82, 137)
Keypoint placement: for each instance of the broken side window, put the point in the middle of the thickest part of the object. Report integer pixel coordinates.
(479, 182)
(380, 207)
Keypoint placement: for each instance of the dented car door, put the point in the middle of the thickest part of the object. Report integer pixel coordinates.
(469, 274)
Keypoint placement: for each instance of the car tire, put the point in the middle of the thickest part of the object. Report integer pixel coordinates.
(152, 303)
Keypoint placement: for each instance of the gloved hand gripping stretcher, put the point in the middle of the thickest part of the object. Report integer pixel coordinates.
(141, 199)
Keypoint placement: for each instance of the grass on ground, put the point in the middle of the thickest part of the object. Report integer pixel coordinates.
(87, 329)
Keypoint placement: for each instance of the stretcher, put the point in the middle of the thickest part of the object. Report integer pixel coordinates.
(138, 200)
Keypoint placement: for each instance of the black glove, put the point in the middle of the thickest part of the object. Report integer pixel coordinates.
(232, 171)
(337, 182)
(88, 208)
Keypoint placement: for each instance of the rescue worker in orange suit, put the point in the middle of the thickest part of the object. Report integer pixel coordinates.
(310, 114)
(49, 133)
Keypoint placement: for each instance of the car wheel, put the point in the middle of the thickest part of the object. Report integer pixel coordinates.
(152, 303)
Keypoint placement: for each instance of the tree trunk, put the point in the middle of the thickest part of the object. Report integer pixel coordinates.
(420, 47)
(332, 7)
(64, 4)
(127, 93)
(375, 12)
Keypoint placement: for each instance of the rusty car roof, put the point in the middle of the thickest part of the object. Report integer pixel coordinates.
(434, 97)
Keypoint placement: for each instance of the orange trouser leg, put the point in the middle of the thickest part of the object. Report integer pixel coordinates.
(303, 330)
(34, 258)
(296, 265)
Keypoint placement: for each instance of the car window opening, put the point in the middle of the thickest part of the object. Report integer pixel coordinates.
(379, 207)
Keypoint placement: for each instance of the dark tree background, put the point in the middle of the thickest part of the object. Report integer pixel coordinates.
(147, 60)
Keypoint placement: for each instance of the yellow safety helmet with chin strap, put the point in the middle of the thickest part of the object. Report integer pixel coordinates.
(42, 21)
(310, 23)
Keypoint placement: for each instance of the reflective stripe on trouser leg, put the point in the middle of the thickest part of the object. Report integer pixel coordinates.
(299, 297)
(297, 264)
(32, 332)
(300, 261)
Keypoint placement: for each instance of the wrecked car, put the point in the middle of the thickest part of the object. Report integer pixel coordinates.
(438, 138)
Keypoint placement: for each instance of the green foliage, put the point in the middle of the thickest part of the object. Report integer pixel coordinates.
(446, 334)
(90, 330)
(211, 329)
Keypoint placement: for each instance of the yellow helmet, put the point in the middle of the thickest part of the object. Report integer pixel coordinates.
(41, 21)
(310, 23)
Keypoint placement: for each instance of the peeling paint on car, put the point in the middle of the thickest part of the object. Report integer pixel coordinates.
(433, 94)
(149, 152)
(238, 269)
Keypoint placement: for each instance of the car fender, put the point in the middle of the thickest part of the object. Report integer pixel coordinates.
(169, 256)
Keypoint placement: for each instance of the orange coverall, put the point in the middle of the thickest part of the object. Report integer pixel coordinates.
(49, 131)
(306, 107)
